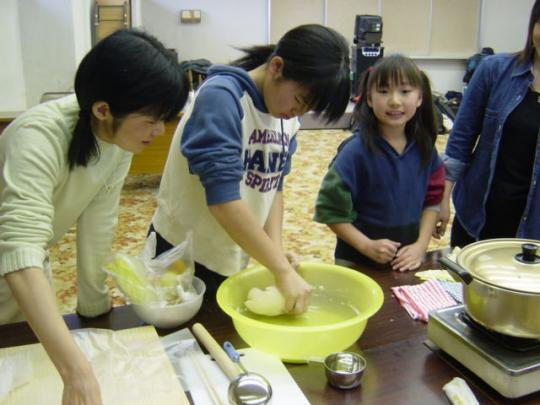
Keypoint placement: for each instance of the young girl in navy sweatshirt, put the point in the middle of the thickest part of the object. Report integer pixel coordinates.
(382, 190)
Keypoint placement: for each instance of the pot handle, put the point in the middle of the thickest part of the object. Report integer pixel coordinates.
(463, 274)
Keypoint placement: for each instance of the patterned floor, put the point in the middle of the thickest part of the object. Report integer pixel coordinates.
(312, 241)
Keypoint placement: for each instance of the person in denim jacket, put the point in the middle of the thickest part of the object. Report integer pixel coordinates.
(492, 153)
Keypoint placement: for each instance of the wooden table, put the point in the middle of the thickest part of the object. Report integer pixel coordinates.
(401, 369)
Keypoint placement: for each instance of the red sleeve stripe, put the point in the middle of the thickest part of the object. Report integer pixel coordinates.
(435, 189)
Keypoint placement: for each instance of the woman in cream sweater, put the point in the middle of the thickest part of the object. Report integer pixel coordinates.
(64, 163)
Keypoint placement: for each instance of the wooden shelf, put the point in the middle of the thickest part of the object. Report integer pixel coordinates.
(152, 160)
(8, 116)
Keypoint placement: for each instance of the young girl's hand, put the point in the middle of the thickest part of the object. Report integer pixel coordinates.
(382, 250)
(293, 259)
(295, 290)
(408, 257)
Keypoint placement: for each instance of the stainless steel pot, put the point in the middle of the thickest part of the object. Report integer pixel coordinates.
(501, 280)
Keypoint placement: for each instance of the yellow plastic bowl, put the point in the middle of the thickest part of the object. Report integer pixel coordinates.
(301, 343)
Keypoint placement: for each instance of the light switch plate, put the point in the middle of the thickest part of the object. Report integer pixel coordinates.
(190, 16)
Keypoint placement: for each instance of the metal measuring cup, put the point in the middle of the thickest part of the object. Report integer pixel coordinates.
(344, 369)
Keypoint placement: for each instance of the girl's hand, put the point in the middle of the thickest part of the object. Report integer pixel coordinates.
(36, 299)
(444, 213)
(293, 259)
(81, 387)
(408, 257)
(295, 290)
(442, 219)
(382, 250)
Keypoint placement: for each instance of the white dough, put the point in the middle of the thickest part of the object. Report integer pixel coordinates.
(268, 302)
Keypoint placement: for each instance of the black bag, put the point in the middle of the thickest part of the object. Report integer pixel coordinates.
(474, 61)
(439, 103)
(197, 70)
(446, 105)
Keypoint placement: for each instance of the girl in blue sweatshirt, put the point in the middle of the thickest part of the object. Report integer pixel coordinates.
(382, 190)
(232, 149)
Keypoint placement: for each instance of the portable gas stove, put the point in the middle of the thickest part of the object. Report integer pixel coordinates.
(509, 365)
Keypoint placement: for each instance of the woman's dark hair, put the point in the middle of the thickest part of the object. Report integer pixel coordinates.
(528, 52)
(314, 56)
(133, 72)
(395, 70)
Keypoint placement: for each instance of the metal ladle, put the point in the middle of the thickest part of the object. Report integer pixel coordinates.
(244, 389)
(248, 388)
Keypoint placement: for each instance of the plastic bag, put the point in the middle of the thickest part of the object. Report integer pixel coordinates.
(164, 280)
(197, 372)
(15, 370)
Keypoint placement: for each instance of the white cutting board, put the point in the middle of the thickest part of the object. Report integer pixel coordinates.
(131, 367)
(285, 390)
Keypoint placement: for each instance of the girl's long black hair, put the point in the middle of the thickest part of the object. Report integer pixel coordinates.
(133, 72)
(314, 56)
(393, 70)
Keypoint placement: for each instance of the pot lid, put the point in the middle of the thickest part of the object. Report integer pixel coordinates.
(512, 264)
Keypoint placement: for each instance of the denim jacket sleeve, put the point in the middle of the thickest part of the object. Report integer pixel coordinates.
(468, 123)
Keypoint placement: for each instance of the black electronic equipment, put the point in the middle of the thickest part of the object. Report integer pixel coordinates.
(368, 29)
(367, 48)
(363, 58)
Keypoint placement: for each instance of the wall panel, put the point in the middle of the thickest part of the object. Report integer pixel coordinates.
(455, 27)
(406, 26)
(287, 14)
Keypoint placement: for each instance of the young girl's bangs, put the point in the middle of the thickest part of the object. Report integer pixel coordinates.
(395, 71)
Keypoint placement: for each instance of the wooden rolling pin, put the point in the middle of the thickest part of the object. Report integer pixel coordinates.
(230, 369)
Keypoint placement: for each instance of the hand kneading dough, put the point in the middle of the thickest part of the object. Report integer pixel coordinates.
(268, 302)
